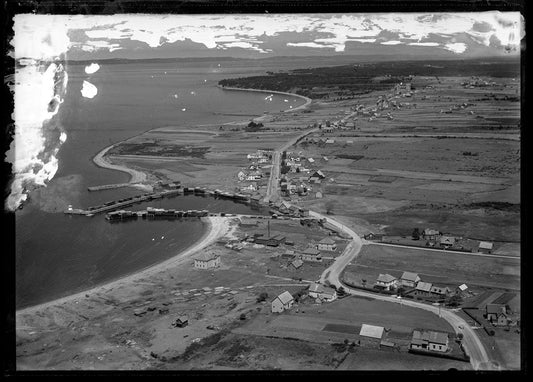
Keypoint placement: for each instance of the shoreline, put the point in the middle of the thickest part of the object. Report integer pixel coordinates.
(100, 161)
(216, 227)
(136, 179)
(301, 107)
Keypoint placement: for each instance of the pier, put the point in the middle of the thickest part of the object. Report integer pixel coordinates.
(200, 191)
(108, 186)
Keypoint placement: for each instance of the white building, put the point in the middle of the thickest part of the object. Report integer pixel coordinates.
(283, 302)
(409, 279)
(322, 292)
(429, 340)
(387, 281)
(327, 244)
(207, 261)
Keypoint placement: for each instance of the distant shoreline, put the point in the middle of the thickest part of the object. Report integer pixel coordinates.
(301, 107)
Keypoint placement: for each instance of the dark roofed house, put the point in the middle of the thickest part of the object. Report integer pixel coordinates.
(297, 263)
(430, 234)
(439, 291)
(423, 289)
(181, 322)
(494, 311)
(386, 281)
(272, 241)
(409, 279)
(447, 241)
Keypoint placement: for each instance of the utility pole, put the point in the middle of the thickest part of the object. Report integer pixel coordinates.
(268, 228)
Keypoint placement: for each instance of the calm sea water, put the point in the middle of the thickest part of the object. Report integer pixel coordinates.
(57, 255)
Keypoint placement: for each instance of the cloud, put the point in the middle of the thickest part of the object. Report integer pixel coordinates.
(88, 90)
(38, 92)
(93, 68)
(458, 47)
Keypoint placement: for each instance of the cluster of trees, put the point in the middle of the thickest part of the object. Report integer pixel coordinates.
(311, 82)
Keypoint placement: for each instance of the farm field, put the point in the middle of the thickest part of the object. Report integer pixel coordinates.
(424, 168)
(448, 269)
(367, 360)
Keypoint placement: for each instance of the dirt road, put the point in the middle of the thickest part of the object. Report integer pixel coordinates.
(474, 348)
(273, 181)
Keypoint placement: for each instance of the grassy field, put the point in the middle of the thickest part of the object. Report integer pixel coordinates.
(436, 267)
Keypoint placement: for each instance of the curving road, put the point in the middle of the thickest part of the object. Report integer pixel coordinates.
(473, 346)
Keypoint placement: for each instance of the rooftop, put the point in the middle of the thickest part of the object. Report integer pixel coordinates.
(485, 245)
(285, 297)
(311, 251)
(327, 240)
(371, 331)
(409, 276)
(206, 256)
(386, 278)
(430, 336)
(425, 287)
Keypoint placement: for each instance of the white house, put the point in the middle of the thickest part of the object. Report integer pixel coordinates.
(409, 279)
(322, 292)
(283, 302)
(327, 244)
(207, 261)
(430, 340)
(311, 254)
(387, 281)
(241, 175)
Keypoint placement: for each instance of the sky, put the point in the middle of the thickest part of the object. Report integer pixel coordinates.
(46, 41)
(265, 35)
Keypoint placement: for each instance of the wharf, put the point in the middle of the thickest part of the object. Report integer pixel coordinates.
(201, 191)
(108, 186)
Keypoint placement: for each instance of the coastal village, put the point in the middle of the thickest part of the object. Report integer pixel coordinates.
(267, 279)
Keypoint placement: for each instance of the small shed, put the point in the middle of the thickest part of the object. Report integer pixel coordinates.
(181, 322)
(297, 263)
(318, 195)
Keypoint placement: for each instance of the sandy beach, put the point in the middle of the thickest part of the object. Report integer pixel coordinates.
(217, 227)
(100, 161)
(301, 107)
